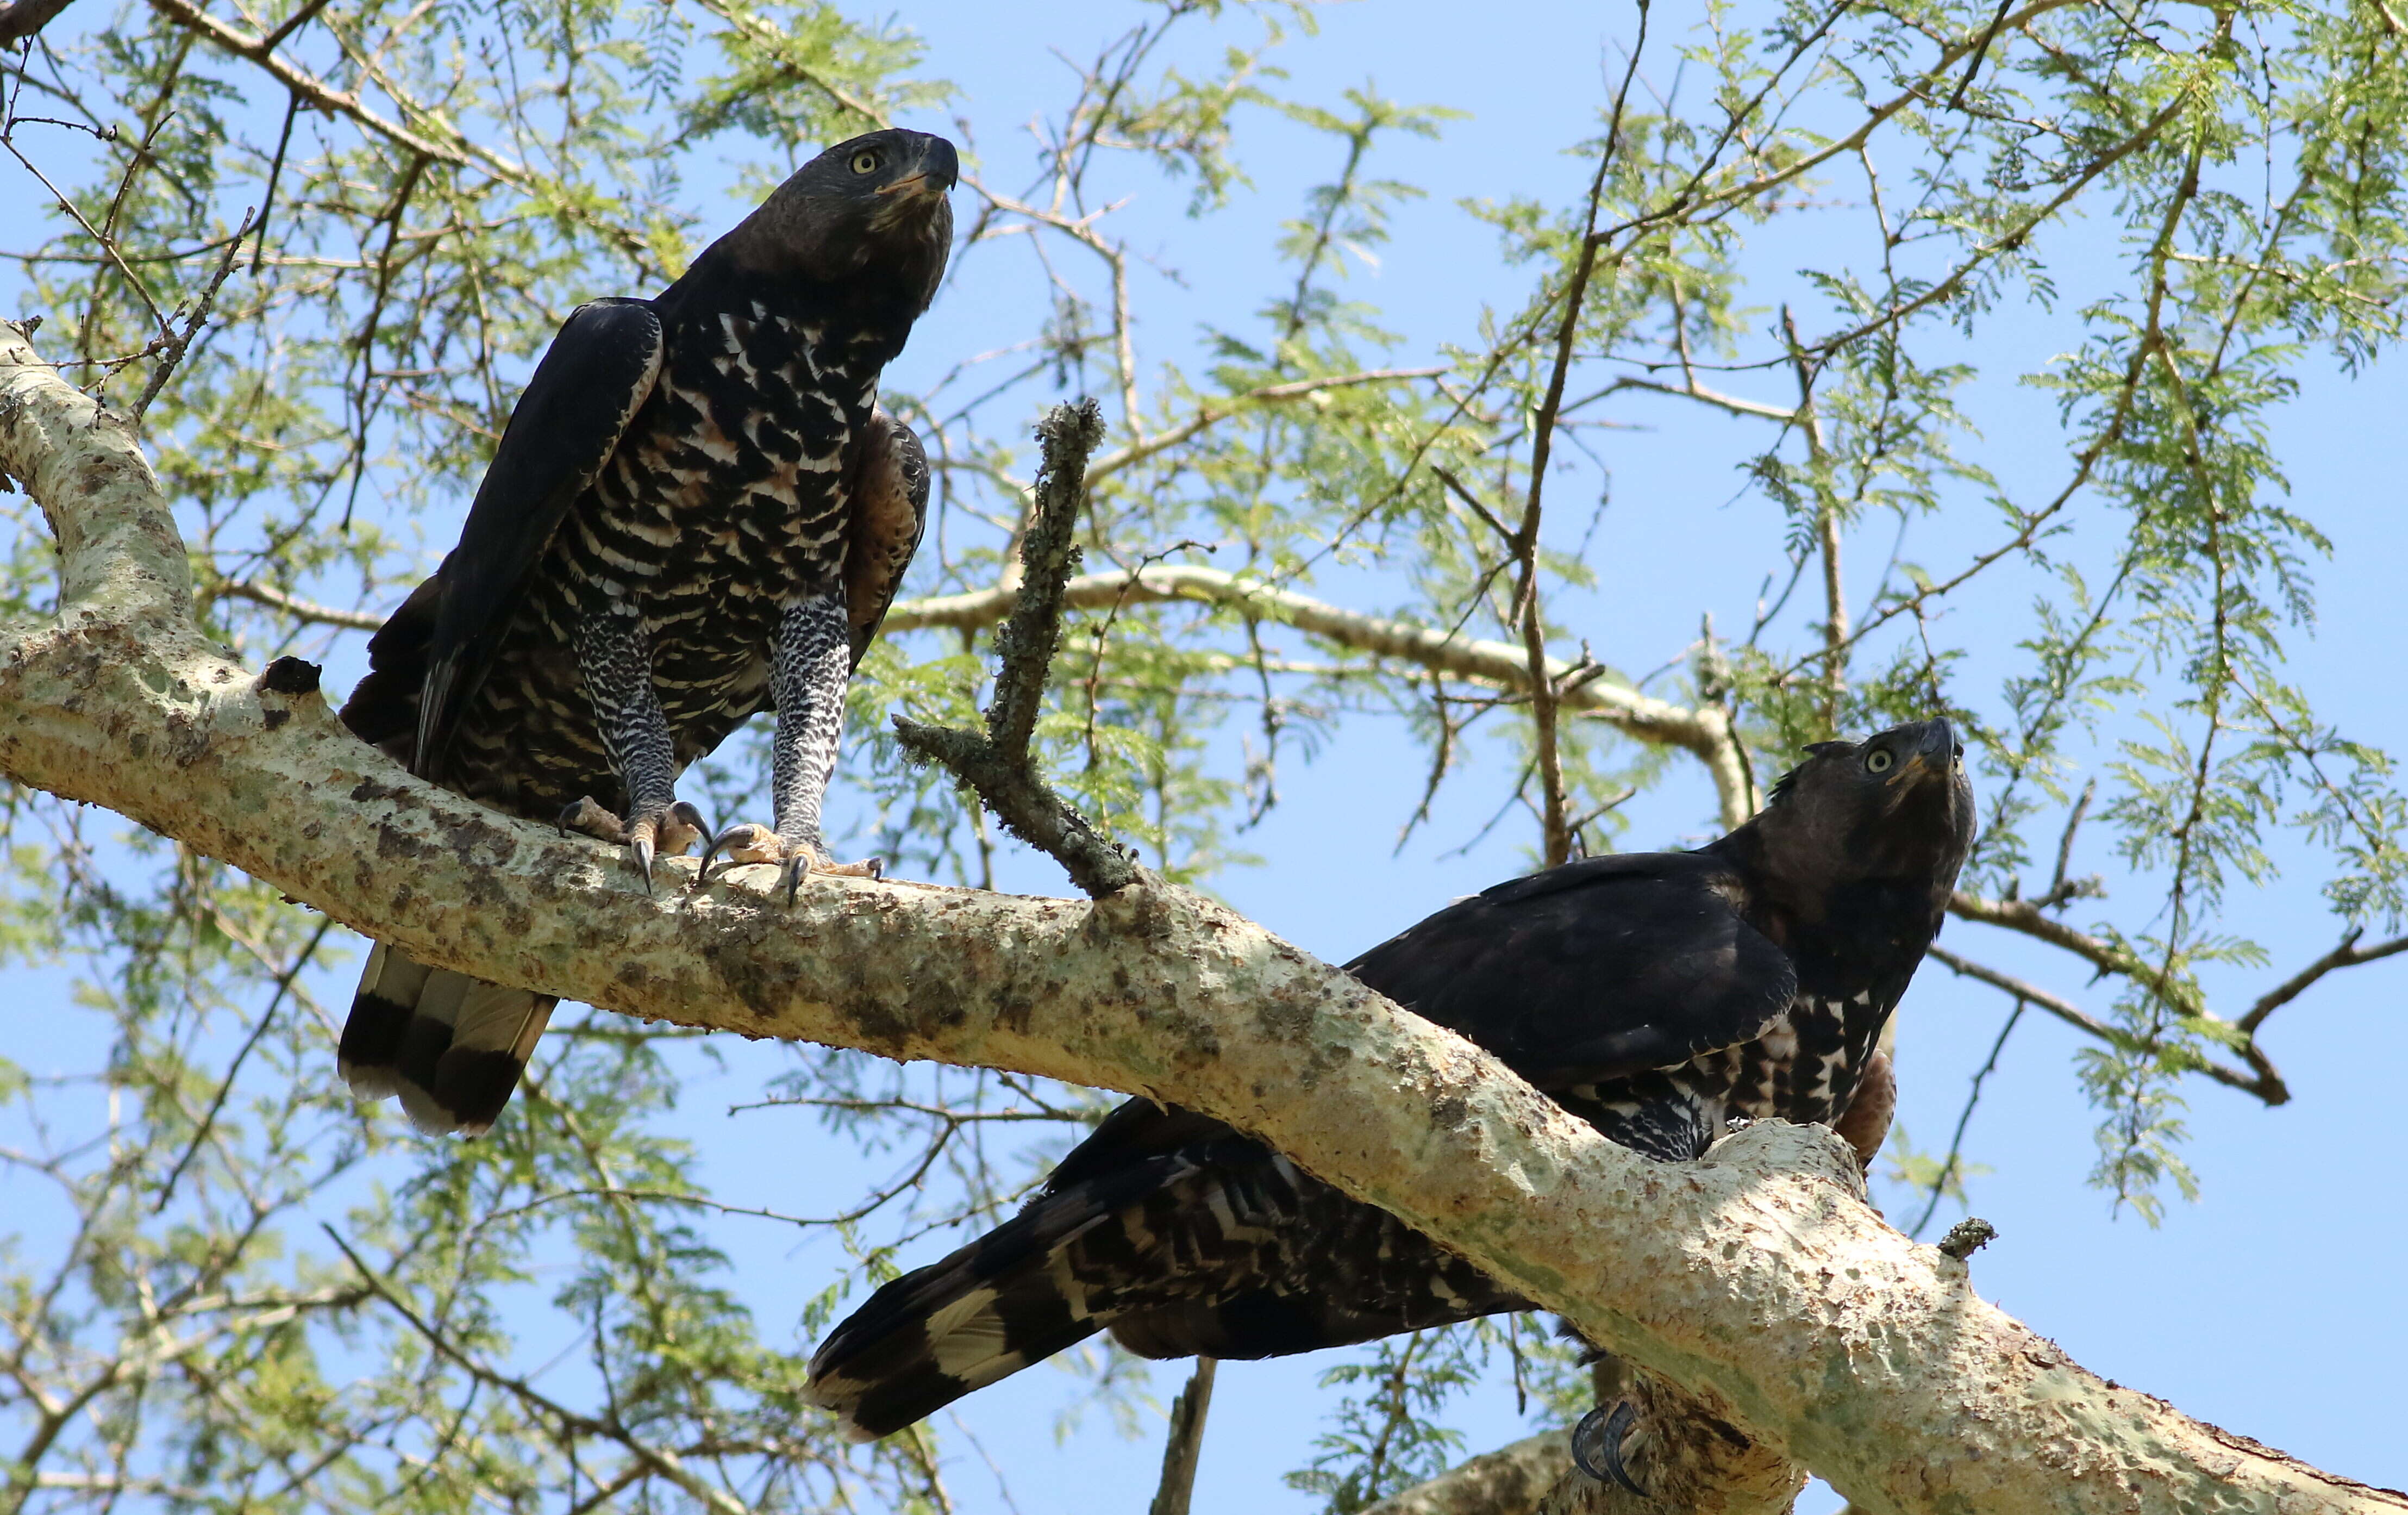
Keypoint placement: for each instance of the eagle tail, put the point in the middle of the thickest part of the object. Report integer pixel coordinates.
(1037, 1284)
(1220, 1248)
(451, 1046)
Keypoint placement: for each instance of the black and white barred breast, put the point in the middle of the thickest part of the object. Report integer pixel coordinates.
(723, 504)
(1804, 1067)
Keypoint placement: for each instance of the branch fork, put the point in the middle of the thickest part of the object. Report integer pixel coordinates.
(996, 765)
(1758, 1280)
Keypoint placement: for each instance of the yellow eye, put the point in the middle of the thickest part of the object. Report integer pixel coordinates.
(1878, 761)
(864, 162)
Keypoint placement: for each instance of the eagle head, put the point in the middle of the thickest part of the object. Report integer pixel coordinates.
(1895, 808)
(876, 206)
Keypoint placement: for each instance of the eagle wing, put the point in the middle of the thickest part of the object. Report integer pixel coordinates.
(589, 383)
(1594, 970)
(889, 494)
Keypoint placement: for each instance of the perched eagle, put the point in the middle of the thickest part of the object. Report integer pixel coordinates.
(1656, 995)
(697, 512)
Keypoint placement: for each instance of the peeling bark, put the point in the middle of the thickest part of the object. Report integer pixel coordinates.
(1756, 1280)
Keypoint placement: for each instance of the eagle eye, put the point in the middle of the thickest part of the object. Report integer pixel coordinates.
(1879, 760)
(864, 162)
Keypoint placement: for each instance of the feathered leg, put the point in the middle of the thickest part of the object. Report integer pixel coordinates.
(814, 662)
(617, 667)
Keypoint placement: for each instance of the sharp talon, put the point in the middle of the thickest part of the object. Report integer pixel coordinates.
(567, 813)
(791, 871)
(643, 845)
(1607, 1428)
(690, 818)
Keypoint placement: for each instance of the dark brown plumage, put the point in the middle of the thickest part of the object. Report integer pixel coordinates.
(696, 513)
(1656, 995)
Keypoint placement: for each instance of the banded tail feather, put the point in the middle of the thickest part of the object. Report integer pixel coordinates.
(450, 1046)
(1219, 1248)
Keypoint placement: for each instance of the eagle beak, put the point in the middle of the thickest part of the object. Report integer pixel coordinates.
(1934, 756)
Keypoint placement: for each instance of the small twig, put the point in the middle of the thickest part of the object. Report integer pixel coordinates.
(2057, 885)
(1462, 492)
(996, 765)
(1181, 1452)
(293, 605)
(1981, 50)
(2348, 955)
(275, 171)
(174, 354)
(1965, 1117)
(225, 1087)
(2267, 1085)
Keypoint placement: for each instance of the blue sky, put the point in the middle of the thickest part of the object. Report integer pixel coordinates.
(2269, 1306)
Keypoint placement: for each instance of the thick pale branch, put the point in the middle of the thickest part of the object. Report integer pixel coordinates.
(1704, 733)
(1509, 1481)
(1757, 1280)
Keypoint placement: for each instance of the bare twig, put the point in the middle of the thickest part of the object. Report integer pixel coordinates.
(996, 765)
(1705, 732)
(1826, 529)
(1965, 1117)
(2266, 1083)
(2348, 955)
(1545, 695)
(293, 605)
(1185, 1445)
(182, 340)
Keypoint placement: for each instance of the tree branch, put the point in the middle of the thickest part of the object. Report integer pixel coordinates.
(23, 19)
(1509, 1481)
(1704, 733)
(293, 605)
(2266, 1082)
(1756, 1280)
(996, 766)
(1184, 1445)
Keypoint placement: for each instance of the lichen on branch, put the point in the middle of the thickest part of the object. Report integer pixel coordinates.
(1756, 1280)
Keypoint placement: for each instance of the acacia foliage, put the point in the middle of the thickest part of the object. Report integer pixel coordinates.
(315, 246)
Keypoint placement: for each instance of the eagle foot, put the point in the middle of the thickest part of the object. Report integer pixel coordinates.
(1604, 1430)
(748, 841)
(665, 832)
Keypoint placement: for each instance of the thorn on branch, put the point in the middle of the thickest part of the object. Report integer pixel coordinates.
(996, 766)
(1968, 1236)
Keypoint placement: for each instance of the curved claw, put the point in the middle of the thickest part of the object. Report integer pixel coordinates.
(670, 831)
(739, 839)
(796, 863)
(1616, 1424)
